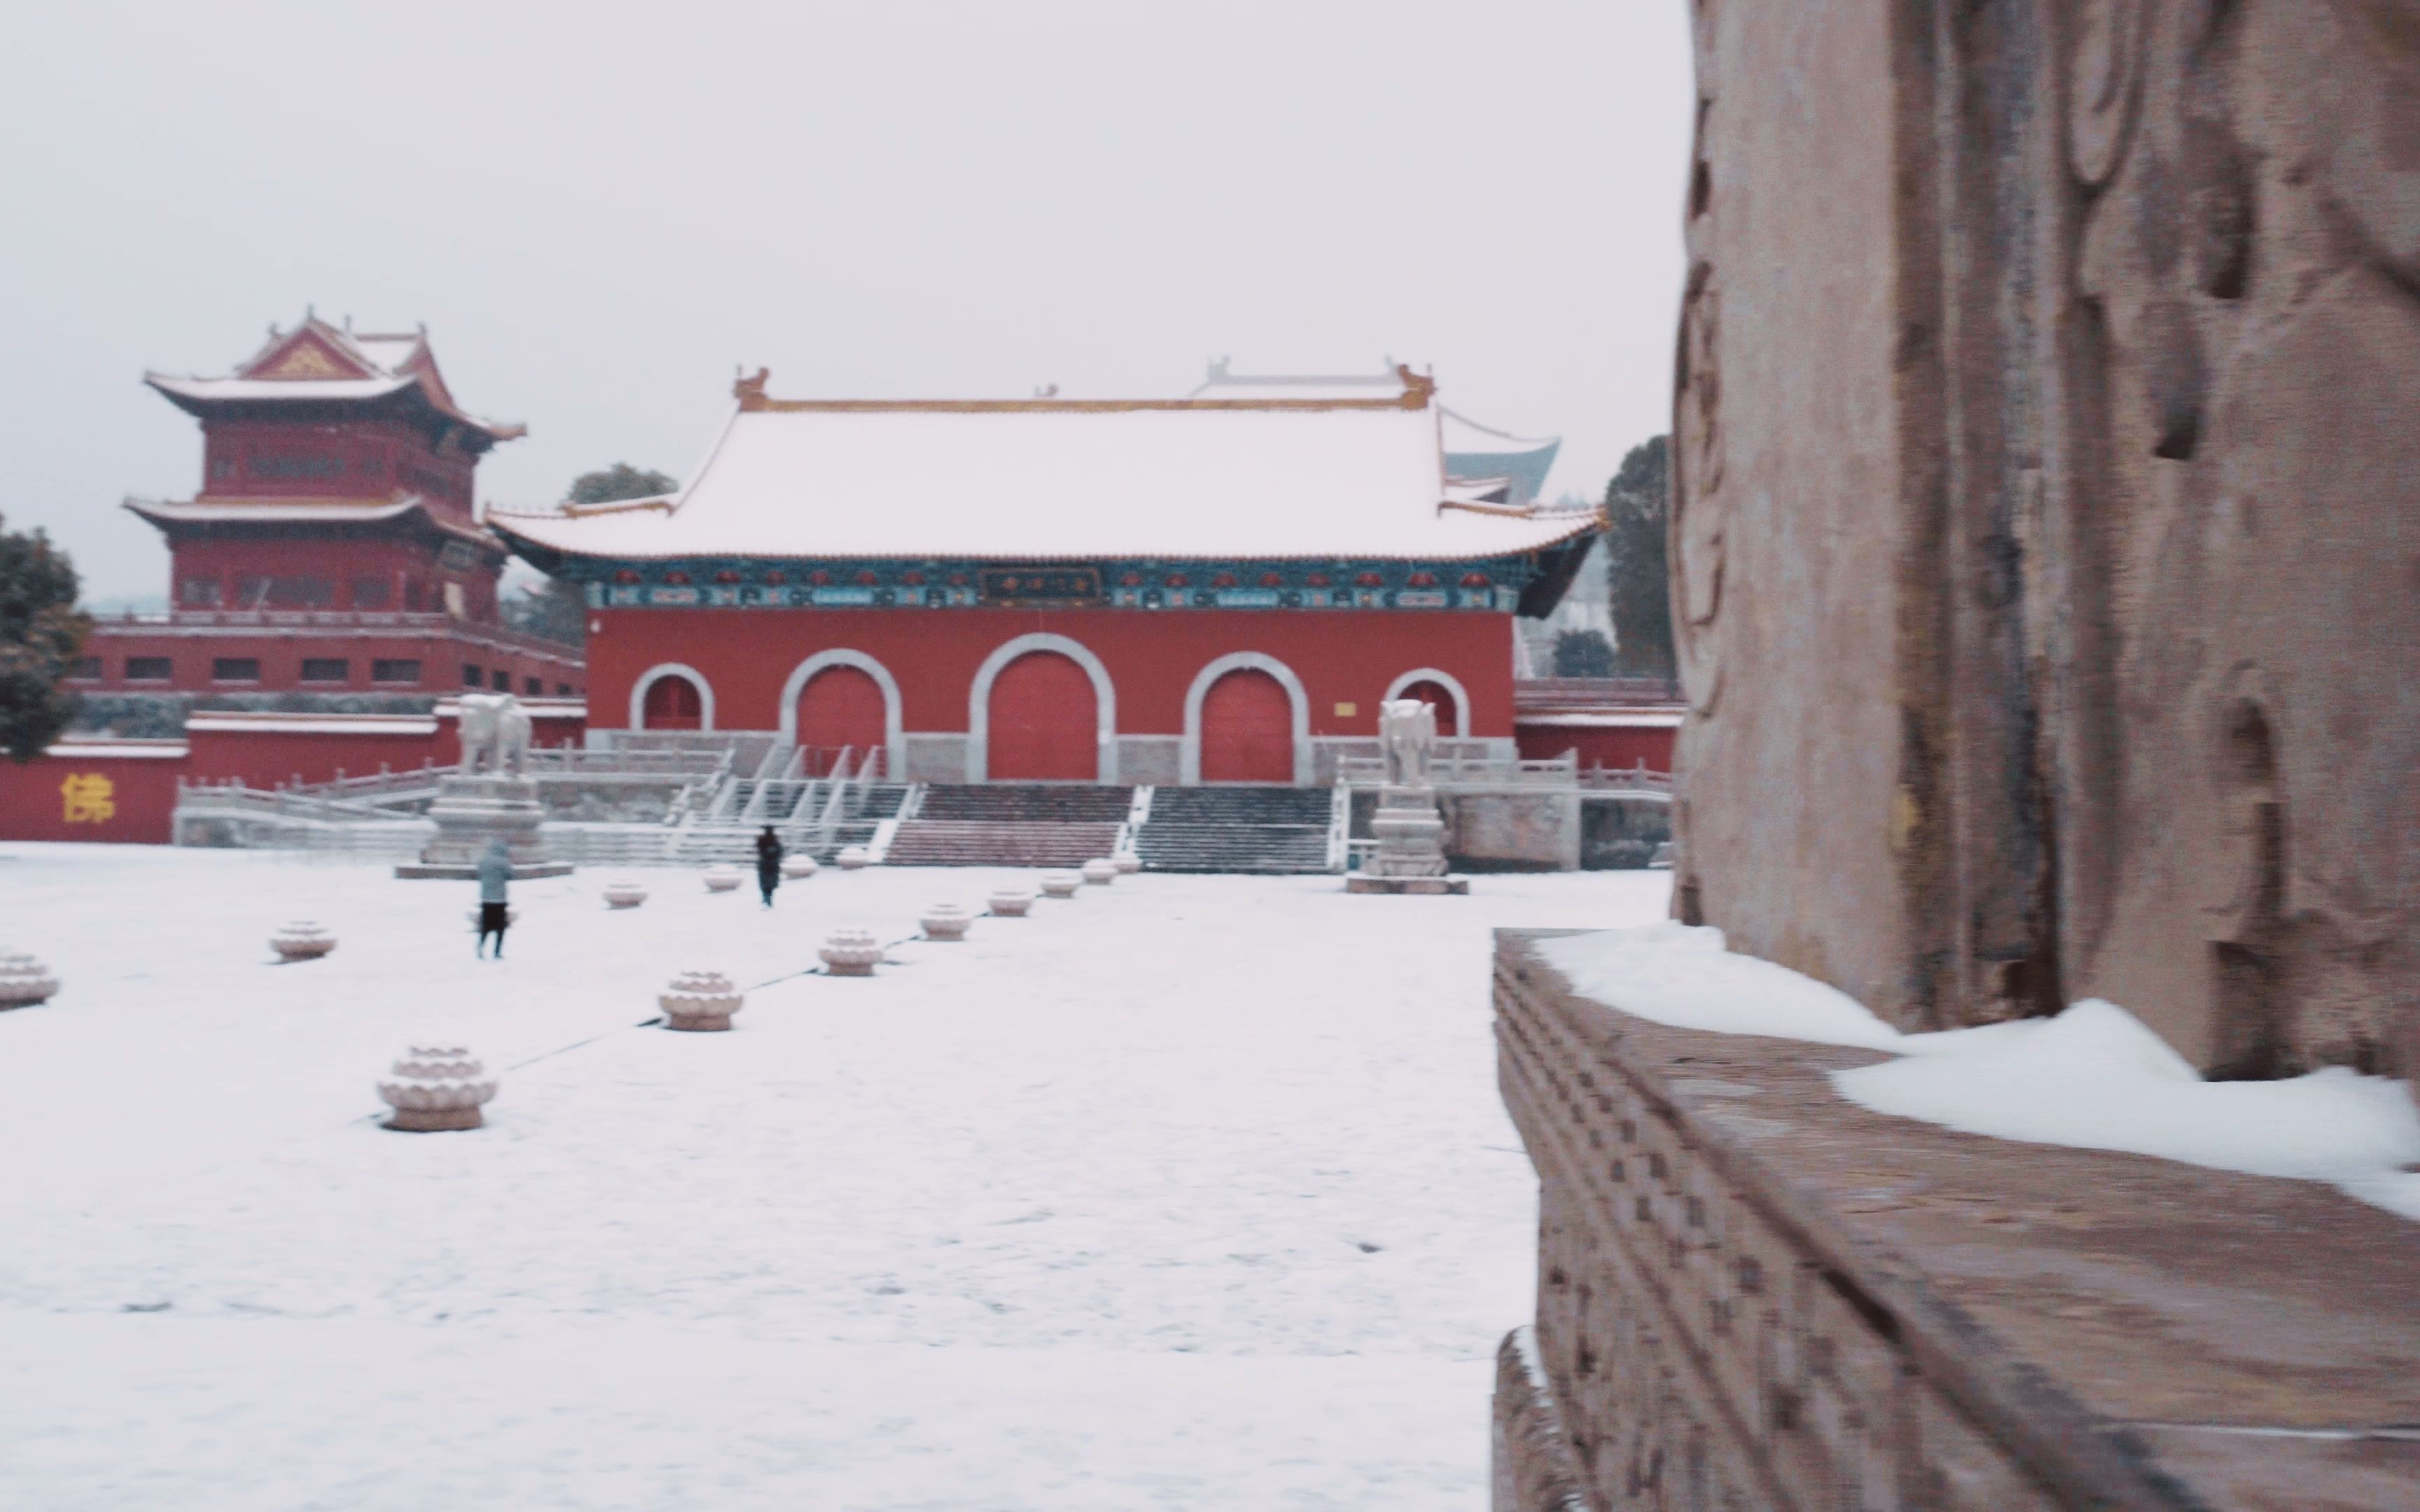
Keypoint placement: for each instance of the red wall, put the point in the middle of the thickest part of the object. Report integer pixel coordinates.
(1343, 656)
(376, 457)
(407, 570)
(267, 758)
(281, 652)
(1622, 746)
(142, 794)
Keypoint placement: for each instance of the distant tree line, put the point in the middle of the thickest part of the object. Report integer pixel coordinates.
(40, 633)
(1638, 509)
(557, 608)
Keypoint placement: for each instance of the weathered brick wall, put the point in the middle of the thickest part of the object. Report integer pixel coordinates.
(1705, 1359)
(1723, 1324)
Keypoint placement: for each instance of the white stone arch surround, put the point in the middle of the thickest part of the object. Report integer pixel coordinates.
(894, 759)
(657, 673)
(1105, 702)
(1188, 760)
(1445, 679)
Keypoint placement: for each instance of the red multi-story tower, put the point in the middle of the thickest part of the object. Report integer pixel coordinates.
(335, 545)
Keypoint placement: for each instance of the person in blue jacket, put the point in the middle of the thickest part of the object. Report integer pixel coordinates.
(495, 874)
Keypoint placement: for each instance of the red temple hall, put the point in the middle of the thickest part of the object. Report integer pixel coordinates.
(1218, 588)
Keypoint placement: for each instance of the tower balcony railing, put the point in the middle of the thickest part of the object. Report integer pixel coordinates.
(422, 622)
(1542, 694)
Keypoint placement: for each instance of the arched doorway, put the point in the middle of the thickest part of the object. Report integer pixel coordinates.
(1247, 729)
(1449, 709)
(841, 707)
(674, 702)
(1043, 722)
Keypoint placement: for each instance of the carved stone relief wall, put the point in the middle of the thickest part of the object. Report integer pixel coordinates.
(2046, 541)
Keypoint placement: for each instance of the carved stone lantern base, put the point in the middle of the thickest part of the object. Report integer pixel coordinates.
(946, 921)
(1400, 886)
(851, 951)
(24, 981)
(699, 1002)
(624, 893)
(434, 1089)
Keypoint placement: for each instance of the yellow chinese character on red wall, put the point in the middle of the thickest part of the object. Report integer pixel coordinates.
(88, 799)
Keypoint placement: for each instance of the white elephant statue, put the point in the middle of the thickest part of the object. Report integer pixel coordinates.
(1407, 735)
(496, 736)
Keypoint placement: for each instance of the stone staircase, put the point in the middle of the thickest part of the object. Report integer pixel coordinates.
(1235, 830)
(1010, 823)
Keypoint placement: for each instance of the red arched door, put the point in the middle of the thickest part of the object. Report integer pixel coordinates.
(674, 702)
(1247, 729)
(841, 707)
(1448, 711)
(1043, 722)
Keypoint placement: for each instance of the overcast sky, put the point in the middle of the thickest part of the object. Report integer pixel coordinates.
(599, 209)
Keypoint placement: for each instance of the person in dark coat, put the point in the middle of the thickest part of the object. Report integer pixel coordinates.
(768, 864)
(495, 874)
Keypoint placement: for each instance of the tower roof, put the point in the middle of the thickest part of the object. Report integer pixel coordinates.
(320, 364)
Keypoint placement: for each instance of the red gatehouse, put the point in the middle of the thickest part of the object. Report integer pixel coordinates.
(1214, 589)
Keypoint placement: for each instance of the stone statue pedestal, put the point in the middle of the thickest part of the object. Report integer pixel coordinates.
(1410, 857)
(471, 811)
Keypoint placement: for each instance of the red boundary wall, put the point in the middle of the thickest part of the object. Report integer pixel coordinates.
(123, 790)
(1602, 744)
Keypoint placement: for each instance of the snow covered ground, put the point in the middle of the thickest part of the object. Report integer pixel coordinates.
(1191, 1193)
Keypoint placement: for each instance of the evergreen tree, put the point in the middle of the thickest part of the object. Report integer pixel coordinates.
(1583, 654)
(620, 481)
(1638, 508)
(40, 633)
(559, 610)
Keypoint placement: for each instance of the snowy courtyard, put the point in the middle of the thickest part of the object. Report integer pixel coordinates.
(1190, 1192)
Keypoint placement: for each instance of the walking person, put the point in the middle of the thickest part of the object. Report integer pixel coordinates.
(768, 864)
(495, 874)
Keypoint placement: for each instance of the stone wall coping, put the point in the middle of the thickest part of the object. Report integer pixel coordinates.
(2132, 1332)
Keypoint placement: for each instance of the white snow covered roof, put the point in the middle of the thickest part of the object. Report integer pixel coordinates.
(1219, 384)
(241, 388)
(318, 362)
(1464, 434)
(292, 510)
(1032, 480)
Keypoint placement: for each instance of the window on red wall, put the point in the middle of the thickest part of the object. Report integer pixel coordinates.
(371, 593)
(395, 670)
(470, 675)
(300, 593)
(532, 687)
(198, 592)
(149, 669)
(235, 670)
(326, 670)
